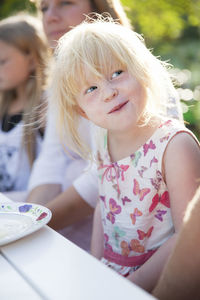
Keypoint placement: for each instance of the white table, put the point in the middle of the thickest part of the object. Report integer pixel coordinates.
(45, 265)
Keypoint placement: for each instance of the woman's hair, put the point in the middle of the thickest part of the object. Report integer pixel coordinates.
(25, 33)
(112, 7)
(99, 46)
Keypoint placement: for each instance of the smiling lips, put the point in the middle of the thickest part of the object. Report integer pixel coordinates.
(118, 107)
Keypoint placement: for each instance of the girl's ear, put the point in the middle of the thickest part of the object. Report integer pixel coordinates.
(81, 112)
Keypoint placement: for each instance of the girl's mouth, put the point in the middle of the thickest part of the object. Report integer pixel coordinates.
(118, 107)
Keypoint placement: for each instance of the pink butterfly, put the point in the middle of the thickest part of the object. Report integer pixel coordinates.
(154, 160)
(160, 214)
(125, 199)
(164, 199)
(165, 138)
(135, 214)
(142, 234)
(123, 168)
(146, 147)
(136, 190)
(157, 181)
(167, 123)
(114, 210)
(142, 171)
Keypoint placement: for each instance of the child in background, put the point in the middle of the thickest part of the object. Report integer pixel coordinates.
(23, 58)
(148, 164)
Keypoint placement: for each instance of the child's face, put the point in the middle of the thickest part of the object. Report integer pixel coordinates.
(114, 102)
(59, 15)
(15, 67)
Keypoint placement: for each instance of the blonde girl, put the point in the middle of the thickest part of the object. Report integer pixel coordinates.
(148, 164)
(23, 59)
(54, 170)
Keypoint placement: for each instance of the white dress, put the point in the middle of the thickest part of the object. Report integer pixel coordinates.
(14, 165)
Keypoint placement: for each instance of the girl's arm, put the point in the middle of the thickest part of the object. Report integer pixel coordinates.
(180, 278)
(181, 168)
(97, 234)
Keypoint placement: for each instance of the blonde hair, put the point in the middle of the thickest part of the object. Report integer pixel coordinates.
(25, 33)
(97, 46)
(113, 7)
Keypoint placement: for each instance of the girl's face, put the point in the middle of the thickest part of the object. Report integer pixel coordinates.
(115, 102)
(15, 67)
(58, 16)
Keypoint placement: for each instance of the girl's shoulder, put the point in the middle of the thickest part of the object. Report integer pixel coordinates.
(179, 141)
(174, 127)
(170, 134)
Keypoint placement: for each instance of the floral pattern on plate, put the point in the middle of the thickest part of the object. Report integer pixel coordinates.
(20, 219)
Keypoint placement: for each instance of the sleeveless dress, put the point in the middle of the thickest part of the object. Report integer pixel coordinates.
(135, 204)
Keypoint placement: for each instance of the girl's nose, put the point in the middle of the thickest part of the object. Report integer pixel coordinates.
(111, 93)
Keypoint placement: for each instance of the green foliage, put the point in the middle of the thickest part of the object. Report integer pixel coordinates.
(163, 20)
(8, 7)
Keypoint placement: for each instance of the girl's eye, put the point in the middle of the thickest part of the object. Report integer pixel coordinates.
(91, 89)
(116, 74)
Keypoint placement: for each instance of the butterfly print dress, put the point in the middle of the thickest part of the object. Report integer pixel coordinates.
(134, 199)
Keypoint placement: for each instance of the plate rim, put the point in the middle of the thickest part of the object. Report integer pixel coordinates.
(33, 228)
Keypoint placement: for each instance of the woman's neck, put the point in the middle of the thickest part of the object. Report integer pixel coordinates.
(19, 102)
(123, 144)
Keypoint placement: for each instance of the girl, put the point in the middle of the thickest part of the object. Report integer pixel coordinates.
(51, 169)
(148, 164)
(23, 57)
(54, 167)
(55, 170)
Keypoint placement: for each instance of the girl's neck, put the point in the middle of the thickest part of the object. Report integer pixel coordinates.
(123, 144)
(19, 102)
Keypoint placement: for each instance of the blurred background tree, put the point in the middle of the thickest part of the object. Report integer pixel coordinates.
(172, 29)
(10, 7)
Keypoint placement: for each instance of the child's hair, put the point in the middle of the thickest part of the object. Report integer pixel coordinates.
(98, 46)
(24, 32)
(112, 7)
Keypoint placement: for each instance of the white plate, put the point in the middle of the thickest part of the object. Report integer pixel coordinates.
(18, 219)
